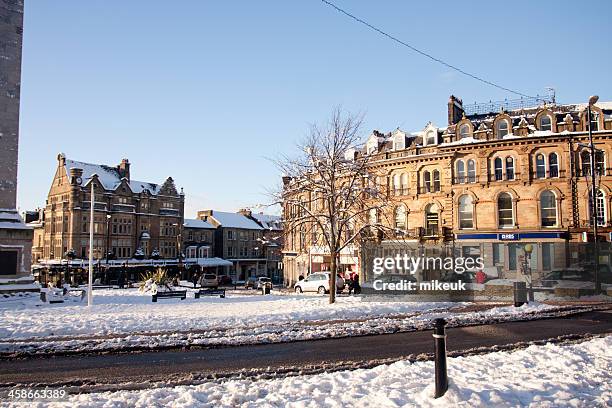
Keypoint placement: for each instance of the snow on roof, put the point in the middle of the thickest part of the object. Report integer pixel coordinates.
(140, 186)
(235, 220)
(108, 176)
(191, 223)
(268, 221)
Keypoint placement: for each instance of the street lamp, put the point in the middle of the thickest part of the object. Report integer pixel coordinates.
(108, 218)
(179, 238)
(528, 248)
(592, 100)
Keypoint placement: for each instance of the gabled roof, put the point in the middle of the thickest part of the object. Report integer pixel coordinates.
(193, 223)
(235, 220)
(109, 177)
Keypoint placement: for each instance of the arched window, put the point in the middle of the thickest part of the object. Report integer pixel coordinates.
(601, 211)
(431, 220)
(540, 166)
(466, 212)
(585, 163)
(505, 211)
(427, 181)
(471, 171)
(548, 209)
(464, 131)
(509, 168)
(436, 180)
(498, 169)
(553, 165)
(400, 218)
(460, 172)
(545, 122)
(502, 128)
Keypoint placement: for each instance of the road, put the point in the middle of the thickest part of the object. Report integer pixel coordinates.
(174, 365)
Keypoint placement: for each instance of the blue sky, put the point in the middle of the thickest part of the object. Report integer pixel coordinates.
(205, 91)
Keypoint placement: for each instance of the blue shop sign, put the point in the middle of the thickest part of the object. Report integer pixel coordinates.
(514, 236)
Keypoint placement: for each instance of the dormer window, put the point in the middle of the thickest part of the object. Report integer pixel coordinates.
(464, 131)
(502, 128)
(545, 123)
(430, 138)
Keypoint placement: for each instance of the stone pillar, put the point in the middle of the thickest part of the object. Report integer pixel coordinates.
(15, 236)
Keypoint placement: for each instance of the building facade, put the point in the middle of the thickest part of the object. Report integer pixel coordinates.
(15, 236)
(272, 243)
(491, 181)
(131, 218)
(238, 239)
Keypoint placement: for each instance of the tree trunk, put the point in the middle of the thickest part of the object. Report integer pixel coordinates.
(332, 278)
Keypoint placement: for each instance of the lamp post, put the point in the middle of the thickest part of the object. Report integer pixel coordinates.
(91, 236)
(108, 218)
(592, 100)
(179, 238)
(528, 248)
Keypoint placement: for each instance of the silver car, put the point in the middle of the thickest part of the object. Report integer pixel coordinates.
(209, 280)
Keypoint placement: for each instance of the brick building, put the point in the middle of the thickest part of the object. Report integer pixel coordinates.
(494, 178)
(238, 239)
(129, 215)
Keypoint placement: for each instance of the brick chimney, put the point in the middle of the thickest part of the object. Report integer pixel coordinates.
(455, 110)
(124, 169)
(204, 214)
(246, 212)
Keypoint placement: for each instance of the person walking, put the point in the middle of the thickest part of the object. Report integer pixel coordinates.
(356, 285)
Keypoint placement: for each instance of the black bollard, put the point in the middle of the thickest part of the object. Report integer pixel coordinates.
(440, 348)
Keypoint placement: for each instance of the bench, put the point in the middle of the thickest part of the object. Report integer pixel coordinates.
(182, 294)
(210, 292)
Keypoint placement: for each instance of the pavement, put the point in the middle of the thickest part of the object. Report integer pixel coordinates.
(187, 365)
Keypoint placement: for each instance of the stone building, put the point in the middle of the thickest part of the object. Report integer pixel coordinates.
(238, 239)
(495, 177)
(130, 217)
(15, 236)
(272, 242)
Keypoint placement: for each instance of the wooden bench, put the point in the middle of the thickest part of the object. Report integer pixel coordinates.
(210, 292)
(182, 294)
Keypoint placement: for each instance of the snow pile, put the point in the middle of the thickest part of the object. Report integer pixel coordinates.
(577, 375)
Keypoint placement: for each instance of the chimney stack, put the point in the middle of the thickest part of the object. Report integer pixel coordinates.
(455, 110)
(246, 212)
(124, 169)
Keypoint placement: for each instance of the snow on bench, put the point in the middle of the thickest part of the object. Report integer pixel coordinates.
(182, 294)
(210, 292)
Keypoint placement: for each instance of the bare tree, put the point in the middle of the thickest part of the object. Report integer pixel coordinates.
(330, 196)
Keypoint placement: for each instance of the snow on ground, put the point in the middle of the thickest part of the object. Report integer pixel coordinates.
(129, 311)
(122, 319)
(577, 375)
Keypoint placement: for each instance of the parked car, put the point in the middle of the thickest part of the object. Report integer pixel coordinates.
(250, 282)
(262, 280)
(209, 280)
(225, 280)
(558, 276)
(387, 278)
(318, 282)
